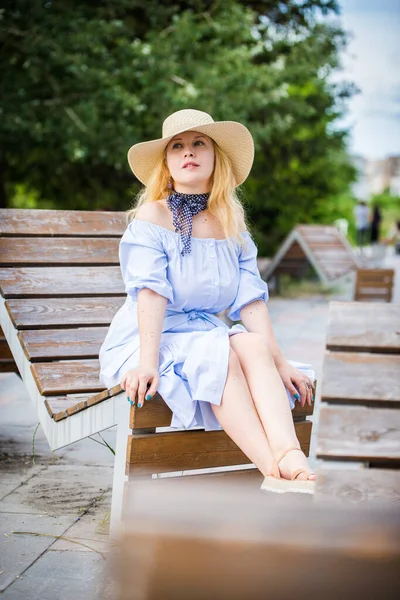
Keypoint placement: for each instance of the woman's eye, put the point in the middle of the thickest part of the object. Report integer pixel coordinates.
(176, 145)
(199, 142)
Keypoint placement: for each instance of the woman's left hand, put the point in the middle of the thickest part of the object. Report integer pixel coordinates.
(297, 383)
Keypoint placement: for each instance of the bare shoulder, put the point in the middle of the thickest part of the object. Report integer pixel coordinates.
(153, 212)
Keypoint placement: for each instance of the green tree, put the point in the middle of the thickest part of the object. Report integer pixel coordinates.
(83, 81)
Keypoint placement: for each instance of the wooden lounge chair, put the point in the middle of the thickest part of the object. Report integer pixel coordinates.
(360, 411)
(321, 247)
(60, 286)
(374, 284)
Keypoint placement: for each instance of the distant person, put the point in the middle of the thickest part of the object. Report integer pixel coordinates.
(375, 225)
(361, 215)
(394, 236)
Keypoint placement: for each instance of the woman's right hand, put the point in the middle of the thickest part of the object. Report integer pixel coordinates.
(136, 381)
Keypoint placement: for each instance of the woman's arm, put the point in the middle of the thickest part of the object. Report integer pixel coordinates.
(255, 318)
(142, 381)
(151, 313)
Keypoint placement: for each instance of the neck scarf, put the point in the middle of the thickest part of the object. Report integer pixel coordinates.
(184, 207)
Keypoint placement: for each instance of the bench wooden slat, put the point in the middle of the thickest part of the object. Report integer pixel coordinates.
(44, 313)
(61, 344)
(359, 433)
(374, 284)
(56, 282)
(350, 377)
(62, 223)
(185, 450)
(7, 363)
(358, 485)
(364, 327)
(5, 352)
(69, 377)
(156, 413)
(20, 252)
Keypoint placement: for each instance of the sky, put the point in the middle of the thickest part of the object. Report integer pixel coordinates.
(372, 62)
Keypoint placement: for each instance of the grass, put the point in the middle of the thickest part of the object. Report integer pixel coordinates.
(292, 288)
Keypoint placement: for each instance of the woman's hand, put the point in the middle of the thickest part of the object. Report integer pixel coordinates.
(297, 383)
(137, 380)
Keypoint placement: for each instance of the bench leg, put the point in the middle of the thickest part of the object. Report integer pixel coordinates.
(120, 477)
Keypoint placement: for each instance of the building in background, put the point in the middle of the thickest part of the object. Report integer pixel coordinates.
(376, 176)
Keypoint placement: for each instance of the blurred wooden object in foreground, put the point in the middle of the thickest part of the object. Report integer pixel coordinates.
(213, 541)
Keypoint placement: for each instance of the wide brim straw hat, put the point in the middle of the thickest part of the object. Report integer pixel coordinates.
(232, 137)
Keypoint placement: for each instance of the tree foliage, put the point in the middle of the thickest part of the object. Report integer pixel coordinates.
(83, 81)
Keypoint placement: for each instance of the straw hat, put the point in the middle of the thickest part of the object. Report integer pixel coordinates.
(232, 137)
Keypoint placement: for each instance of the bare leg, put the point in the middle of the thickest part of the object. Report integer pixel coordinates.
(239, 418)
(271, 401)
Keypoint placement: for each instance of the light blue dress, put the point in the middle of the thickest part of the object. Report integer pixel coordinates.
(194, 347)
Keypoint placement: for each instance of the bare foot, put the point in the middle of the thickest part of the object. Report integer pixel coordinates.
(294, 465)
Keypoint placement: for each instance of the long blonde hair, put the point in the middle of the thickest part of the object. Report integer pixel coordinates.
(223, 202)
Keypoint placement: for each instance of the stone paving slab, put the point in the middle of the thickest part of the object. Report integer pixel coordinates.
(55, 576)
(47, 493)
(92, 529)
(18, 552)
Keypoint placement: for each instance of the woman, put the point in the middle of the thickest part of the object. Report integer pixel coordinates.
(375, 225)
(185, 256)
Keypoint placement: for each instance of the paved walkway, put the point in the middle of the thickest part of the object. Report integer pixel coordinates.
(69, 494)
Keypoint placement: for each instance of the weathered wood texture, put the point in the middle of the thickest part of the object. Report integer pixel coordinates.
(359, 433)
(360, 411)
(46, 313)
(57, 282)
(21, 252)
(184, 450)
(374, 284)
(358, 485)
(61, 407)
(72, 377)
(61, 223)
(62, 344)
(360, 377)
(155, 413)
(364, 327)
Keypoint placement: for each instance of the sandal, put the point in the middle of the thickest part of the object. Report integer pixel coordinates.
(302, 486)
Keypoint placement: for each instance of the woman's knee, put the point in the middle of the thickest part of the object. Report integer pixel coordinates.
(250, 345)
(234, 367)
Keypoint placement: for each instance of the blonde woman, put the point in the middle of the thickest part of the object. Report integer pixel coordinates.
(187, 255)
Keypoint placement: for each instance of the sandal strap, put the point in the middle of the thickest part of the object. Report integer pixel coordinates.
(287, 452)
(299, 471)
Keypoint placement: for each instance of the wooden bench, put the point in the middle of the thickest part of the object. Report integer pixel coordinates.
(228, 542)
(374, 284)
(60, 286)
(360, 411)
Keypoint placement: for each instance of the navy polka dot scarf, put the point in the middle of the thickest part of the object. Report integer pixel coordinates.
(184, 207)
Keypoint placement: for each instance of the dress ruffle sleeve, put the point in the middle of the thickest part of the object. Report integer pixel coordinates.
(143, 261)
(251, 286)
